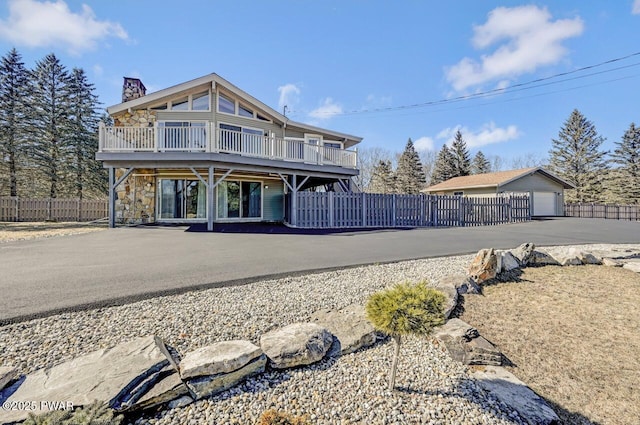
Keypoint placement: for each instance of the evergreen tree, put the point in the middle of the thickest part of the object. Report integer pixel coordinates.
(87, 174)
(382, 178)
(627, 156)
(51, 102)
(461, 158)
(576, 157)
(410, 176)
(480, 164)
(444, 167)
(14, 100)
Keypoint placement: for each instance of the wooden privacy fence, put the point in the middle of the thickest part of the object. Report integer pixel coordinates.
(344, 210)
(615, 212)
(29, 209)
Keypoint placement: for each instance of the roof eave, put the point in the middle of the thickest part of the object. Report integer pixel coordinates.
(482, 186)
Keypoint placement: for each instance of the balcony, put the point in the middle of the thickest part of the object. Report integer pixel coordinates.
(207, 138)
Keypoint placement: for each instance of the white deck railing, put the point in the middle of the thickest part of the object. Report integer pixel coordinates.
(207, 138)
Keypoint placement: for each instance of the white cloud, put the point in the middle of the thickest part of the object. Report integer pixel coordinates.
(636, 7)
(486, 135)
(98, 70)
(527, 38)
(424, 144)
(289, 96)
(326, 110)
(51, 24)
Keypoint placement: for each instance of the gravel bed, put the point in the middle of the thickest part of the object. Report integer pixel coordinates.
(351, 389)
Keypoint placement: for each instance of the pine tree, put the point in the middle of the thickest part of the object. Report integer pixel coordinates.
(461, 159)
(627, 156)
(382, 178)
(87, 174)
(444, 167)
(14, 100)
(49, 145)
(576, 157)
(410, 176)
(480, 164)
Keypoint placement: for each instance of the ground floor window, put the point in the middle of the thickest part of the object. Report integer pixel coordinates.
(182, 199)
(239, 199)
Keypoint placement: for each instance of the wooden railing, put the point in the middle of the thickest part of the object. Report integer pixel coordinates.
(207, 138)
(344, 210)
(41, 209)
(609, 211)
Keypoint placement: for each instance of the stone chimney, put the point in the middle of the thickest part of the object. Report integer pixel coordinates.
(132, 89)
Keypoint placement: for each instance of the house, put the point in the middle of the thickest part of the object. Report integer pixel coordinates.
(546, 190)
(206, 151)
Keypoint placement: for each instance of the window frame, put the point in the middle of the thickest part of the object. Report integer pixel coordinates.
(239, 180)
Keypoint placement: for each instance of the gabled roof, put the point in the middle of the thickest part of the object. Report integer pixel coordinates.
(159, 95)
(496, 180)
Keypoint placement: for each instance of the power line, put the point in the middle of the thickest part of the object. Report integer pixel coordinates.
(493, 92)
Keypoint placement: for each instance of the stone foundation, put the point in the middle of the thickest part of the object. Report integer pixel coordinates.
(136, 197)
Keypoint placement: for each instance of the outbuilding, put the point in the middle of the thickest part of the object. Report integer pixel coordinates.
(546, 190)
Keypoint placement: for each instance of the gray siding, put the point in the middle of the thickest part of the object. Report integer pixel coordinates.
(532, 183)
(248, 122)
(273, 201)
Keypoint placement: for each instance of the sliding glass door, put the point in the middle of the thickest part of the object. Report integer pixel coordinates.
(182, 199)
(239, 199)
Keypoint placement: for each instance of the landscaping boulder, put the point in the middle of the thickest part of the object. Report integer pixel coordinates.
(204, 386)
(632, 265)
(220, 366)
(464, 344)
(7, 374)
(118, 376)
(447, 285)
(221, 357)
(168, 387)
(571, 256)
(296, 344)
(610, 262)
(484, 265)
(541, 257)
(515, 394)
(507, 261)
(523, 253)
(350, 327)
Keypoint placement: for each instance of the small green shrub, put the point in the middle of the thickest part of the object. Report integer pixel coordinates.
(96, 413)
(405, 309)
(275, 417)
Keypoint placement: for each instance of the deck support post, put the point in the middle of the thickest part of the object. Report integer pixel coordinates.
(113, 184)
(294, 200)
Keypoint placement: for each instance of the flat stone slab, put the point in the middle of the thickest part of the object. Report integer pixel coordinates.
(221, 357)
(168, 387)
(297, 344)
(632, 265)
(572, 256)
(448, 285)
(514, 393)
(465, 345)
(610, 262)
(350, 327)
(105, 375)
(205, 386)
(7, 374)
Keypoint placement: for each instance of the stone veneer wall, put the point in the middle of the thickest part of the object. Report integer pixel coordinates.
(139, 118)
(136, 201)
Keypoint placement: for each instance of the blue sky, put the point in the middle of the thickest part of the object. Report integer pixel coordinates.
(329, 61)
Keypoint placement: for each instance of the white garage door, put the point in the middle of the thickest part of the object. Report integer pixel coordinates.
(544, 203)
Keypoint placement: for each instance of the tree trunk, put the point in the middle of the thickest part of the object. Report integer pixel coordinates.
(394, 365)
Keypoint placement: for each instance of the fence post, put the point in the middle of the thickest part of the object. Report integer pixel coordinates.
(79, 209)
(17, 208)
(461, 211)
(393, 210)
(331, 209)
(509, 206)
(364, 209)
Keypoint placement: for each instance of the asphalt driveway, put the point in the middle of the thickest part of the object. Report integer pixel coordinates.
(116, 266)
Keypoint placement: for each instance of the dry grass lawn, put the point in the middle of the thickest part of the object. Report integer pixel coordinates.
(573, 335)
(10, 232)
